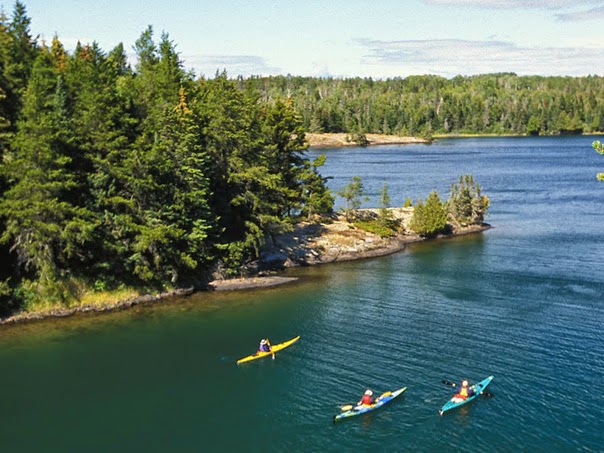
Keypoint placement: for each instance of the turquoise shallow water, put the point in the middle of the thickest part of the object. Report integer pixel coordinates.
(522, 301)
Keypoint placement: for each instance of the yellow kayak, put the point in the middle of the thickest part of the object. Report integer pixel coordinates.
(275, 348)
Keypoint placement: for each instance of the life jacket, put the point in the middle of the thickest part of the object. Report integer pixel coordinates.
(263, 347)
(366, 400)
(463, 392)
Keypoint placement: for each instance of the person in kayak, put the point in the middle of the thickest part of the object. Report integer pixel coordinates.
(265, 345)
(366, 399)
(464, 392)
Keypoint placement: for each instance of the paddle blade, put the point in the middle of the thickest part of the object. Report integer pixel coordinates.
(348, 407)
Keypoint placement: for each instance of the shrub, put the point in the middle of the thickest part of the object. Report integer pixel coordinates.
(466, 203)
(431, 218)
(377, 227)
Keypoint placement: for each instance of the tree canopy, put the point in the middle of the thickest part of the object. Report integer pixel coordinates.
(143, 176)
(424, 105)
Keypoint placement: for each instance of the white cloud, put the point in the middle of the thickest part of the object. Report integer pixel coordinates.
(449, 57)
(235, 65)
(596, 13)
(516, 4)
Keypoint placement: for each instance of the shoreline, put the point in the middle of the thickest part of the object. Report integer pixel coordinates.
(310, 244)
(341, 140)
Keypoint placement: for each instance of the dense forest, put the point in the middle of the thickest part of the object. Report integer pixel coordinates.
(144, 176)
(426, 105)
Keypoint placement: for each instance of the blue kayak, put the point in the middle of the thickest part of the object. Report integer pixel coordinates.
(454, 402)
(379, 402)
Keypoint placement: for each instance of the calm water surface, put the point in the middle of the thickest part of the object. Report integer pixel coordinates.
(523, 301)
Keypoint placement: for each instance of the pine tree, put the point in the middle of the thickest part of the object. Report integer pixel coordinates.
(316, 197)
(385, 216)
(431, 218)
(466, 203)
(45, 228)
(22, 51)
(101, 106)
(172, 210)
(353, 194)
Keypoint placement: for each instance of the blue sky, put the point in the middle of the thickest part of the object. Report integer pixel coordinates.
(345, 38)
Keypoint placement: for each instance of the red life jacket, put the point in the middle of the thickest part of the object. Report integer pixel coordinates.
(366, 400)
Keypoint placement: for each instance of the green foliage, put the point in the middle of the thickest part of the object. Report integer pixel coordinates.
(45, 224)
(599, 148)
(384, 215)
(466, 203)
(317, 198)
(353, 194)
(431, 218)
(145, 178)
(427, 105)
(408, 203)
(534, 125)
(376, 226)
(19, 50)
(359, 138)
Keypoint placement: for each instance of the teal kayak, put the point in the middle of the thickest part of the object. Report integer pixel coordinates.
(379, 402)
(454, 402)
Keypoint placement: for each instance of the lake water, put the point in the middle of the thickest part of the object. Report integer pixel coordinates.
(523, 301)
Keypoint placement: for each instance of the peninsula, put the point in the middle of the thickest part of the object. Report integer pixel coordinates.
(309, 244)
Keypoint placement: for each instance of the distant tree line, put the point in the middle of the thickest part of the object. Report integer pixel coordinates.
(146, 176)
(425, 105)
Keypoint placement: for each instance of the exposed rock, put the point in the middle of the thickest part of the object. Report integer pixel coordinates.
(314, 243)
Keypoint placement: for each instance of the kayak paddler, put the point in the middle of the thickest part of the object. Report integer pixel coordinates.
(265, 346)
(366, 399)
(464, 392)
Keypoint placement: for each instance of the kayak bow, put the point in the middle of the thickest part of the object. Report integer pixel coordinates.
(380, 401)
(478, 388)
(275, 348)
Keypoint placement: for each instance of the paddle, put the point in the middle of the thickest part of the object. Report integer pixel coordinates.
(453, 384)
(270, 348)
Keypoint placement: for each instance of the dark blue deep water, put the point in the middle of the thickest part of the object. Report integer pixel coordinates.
(523, 301)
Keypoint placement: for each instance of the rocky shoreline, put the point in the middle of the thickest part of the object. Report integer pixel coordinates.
(311, 244)
(308, 244)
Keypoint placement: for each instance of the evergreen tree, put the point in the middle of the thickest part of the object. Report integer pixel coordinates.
(103, 118)
(170, 217)
(22, 51)
(316, 197)
(284, 145)
(384, 203)
(45, 228)
(353, 194)
(466, 203)
(431, 218)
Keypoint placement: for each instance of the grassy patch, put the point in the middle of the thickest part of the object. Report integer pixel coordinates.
(376, 227)
(107, 298)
